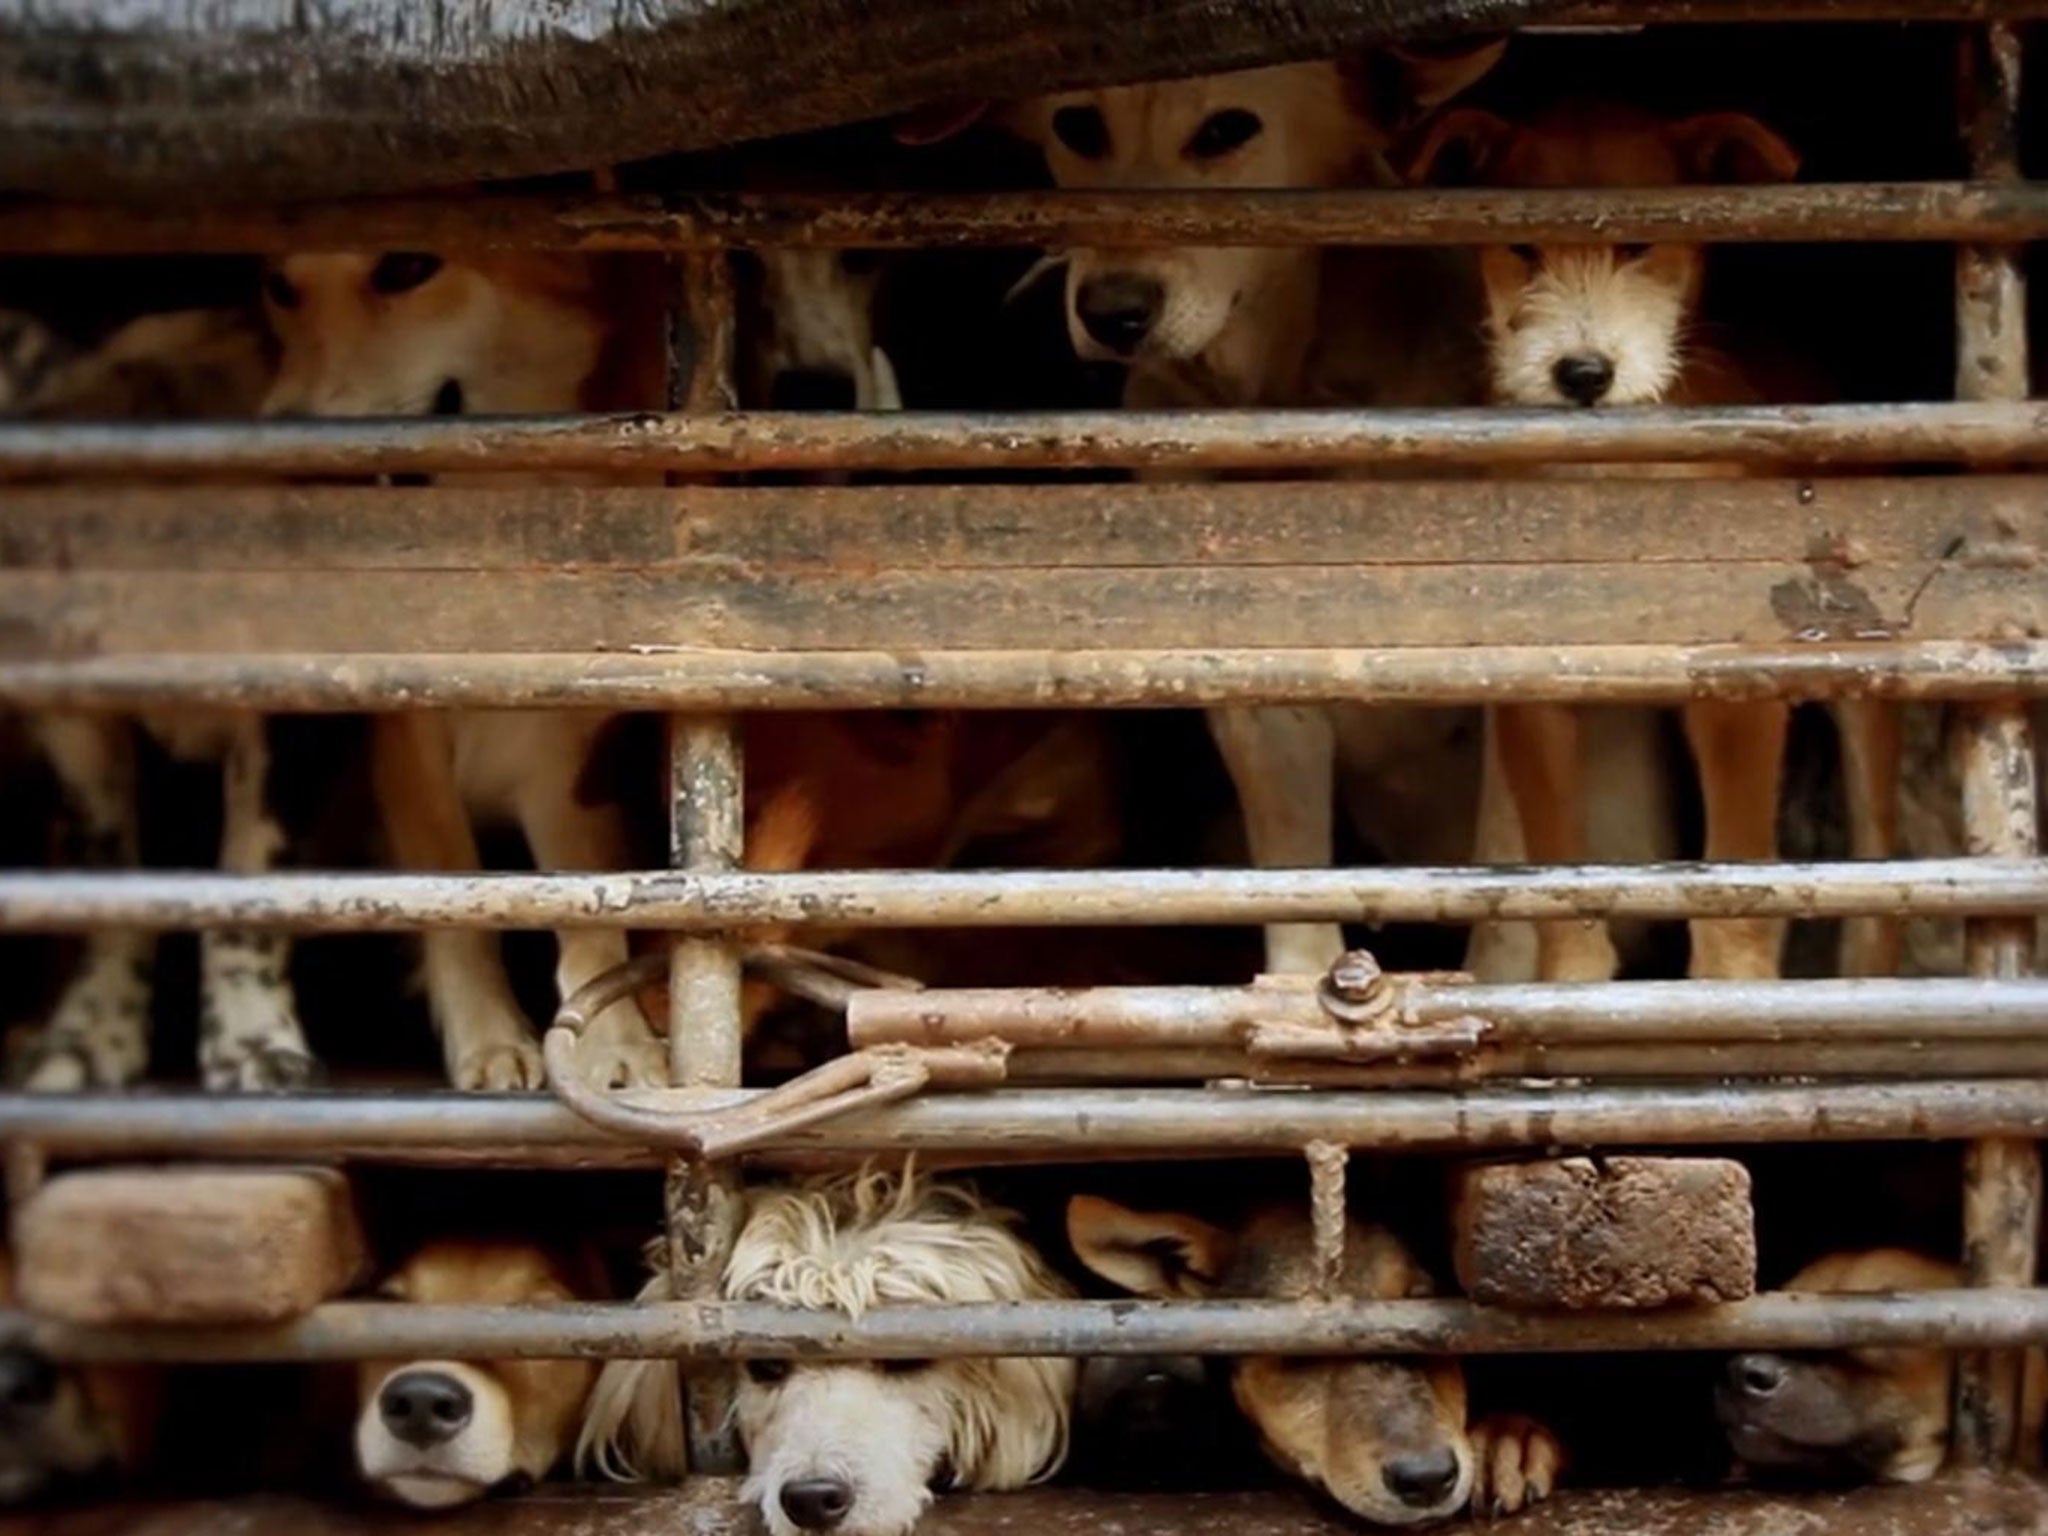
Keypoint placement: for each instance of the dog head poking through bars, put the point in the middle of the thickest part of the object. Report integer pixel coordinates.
(1387, 1438)
(861, 1447)
(58, 1424)
(1845, 1415)
(807, 332)
(1593, 324)
(437, 1433)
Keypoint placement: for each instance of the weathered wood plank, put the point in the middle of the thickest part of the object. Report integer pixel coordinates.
(1304, 523)
(47, 614)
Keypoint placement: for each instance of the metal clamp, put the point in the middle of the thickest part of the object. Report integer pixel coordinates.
(1370, 1018)
(711, 1123)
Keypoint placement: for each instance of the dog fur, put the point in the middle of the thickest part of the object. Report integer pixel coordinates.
(883, 1434)
(1877, 1414)
(437, 1433)
(1599, 325)
(1362, 1430)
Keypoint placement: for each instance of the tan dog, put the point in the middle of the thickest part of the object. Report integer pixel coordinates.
(1259, 326)
(1386, 1438)
(436, 1433)
(1878, 1414)
(1598, 325)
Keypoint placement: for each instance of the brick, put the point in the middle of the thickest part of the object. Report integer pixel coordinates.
(1620, 1232)
(187, 1245)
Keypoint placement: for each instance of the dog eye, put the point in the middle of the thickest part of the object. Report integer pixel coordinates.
(1631, 252)
(903, 1367)
(1082, 130)
(402, 271)
(278, 289)
(860, 263)
(1525, 253)
(1232, 128)
(767, 1373)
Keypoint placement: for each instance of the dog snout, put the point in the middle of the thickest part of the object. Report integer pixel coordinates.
(812, 389)
(1119, 309)
(1423, 1479)
(1757, 1376)
(1584, 376)
(817, 1503)
(27, 1381)
(424, 1408)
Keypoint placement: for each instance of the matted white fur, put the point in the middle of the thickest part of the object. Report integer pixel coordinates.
(1591, 300)
(887, 1433)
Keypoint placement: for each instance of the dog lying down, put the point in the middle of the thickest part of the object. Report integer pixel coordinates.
(858, 1446)
(438, 1433)
(1389, 1439)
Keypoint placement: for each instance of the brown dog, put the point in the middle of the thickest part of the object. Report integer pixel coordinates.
(1879, 1414)
(1387, 1438)
(437, 1433)
(1599, 325)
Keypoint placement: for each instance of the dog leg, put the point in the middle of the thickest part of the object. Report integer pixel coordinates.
(1740, 750)
(1283, 761)
(1539, 759)
(486, 1043)
(99, 1035)
(1871, 756)
(618, 1050)
(1515, 1463)
(249, 1033)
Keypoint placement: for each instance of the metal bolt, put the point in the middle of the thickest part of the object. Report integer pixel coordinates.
(1356, 977)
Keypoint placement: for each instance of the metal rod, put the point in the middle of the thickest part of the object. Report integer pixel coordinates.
(714, 679)
(1191, 441)
(1558, 1013)
(518, 1130)
(714, 900)
(1889, 211)
(730, 1330)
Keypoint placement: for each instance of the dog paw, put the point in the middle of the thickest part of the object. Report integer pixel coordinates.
(620, 1051)
(259, 1066)
(503, 1066)
(55, 1064)
(1515, 1463)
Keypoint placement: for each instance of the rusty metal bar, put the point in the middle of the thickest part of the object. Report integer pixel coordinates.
(707, 679)
(2001, 1177)
(711, 900)
(1557, 1013)
(1793, 437)
(1890, 211)
(515, 1131)
(699, 1331)
(1640, 13)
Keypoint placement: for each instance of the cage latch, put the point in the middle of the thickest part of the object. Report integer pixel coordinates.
(1368, 1015)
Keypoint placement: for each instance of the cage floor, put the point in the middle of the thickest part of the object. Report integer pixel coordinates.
(1970, 1506)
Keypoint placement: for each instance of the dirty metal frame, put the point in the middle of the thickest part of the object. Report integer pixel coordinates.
(1991, 424)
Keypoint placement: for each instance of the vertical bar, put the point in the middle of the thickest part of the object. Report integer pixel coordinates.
(706, 832)
(2001, 1176)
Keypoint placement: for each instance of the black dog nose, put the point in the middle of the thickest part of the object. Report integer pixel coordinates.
(812, 389)
(1119, 310)
(1756, 1375)
(27, 1380)
(817, 1503)
(1584, 377)
(424, 1408)
(1423, 1479)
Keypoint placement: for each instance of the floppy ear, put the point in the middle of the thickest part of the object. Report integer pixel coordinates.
(1431, 76)
(938, 121)
(1732, 147)
(1461, 149)
(1148, 1253)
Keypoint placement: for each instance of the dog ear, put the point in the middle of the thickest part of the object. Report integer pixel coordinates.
(1461, 149)
(1721, 147)
(938, 121)
(1148, 1253)
(1432, 75)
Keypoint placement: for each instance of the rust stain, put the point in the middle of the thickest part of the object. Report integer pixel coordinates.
(1827, 605)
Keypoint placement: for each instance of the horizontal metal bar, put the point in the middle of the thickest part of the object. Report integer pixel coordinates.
(724, 1330)
(686, 900)
(1575, 1013)
(1613, 674)
(1921, 211)
(1793, 437)
(1035, 1124)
